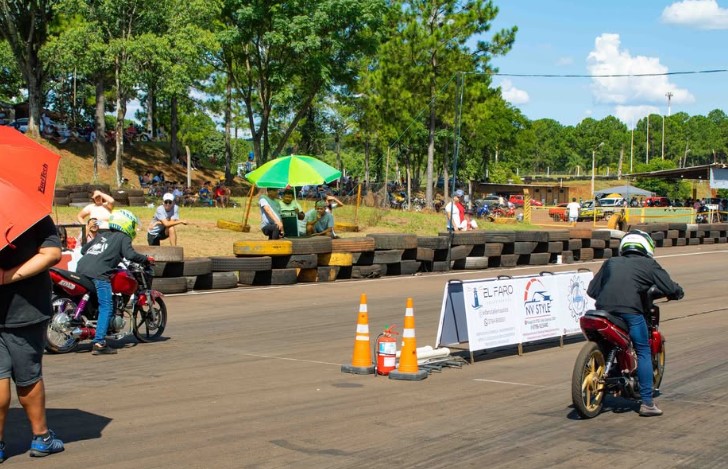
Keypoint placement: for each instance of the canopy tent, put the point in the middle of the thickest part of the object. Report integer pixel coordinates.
(624, 191)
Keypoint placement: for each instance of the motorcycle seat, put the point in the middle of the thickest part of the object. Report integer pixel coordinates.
(81, 279)
(613, 318)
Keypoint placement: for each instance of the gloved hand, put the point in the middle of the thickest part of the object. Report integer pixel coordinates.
(150, 260)
(679, 295)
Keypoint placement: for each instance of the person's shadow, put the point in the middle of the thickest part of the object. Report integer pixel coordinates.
(69, 425)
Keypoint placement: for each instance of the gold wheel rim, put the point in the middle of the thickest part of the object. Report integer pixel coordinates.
(592, 389)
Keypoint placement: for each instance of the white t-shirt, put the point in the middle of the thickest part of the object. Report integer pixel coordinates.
(573, 208)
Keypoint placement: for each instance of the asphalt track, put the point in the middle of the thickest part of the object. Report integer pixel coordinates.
(251, 378)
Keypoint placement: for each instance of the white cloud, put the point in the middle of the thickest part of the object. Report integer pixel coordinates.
(630, 115)
(512, 94)
(701, 14)
(608, 58)
(562, 61)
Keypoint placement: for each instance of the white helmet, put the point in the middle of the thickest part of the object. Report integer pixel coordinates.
(637, 241)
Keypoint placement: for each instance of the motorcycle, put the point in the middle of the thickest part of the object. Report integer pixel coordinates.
(607, 364)
(137, 308)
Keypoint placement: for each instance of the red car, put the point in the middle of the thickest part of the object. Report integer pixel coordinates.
(517, 200)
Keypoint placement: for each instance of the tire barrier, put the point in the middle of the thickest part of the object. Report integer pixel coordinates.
(318, 260)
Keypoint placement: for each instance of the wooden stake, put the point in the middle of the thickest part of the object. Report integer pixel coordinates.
(247, 210)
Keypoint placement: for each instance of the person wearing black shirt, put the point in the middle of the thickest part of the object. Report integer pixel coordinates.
(618, 288)
(100, 257)
(25, 308)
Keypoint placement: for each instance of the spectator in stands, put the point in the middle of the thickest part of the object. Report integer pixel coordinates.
(159, 178)
(222, 195)
(270, 214)
(205, 195)
(319, 222)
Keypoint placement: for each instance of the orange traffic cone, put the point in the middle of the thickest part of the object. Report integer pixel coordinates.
(408, 369)
(361, 362)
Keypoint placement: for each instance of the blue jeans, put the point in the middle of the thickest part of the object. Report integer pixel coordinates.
(106, 306)
(640, 340)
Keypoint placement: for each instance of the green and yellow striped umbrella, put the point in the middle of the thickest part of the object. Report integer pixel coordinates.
(293, 170)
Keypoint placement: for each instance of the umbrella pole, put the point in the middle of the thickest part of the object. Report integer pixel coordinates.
(247, 209)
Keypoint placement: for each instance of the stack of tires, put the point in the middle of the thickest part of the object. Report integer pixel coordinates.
(175, 274)
(129, 197)
(395, 253)
(61, 197)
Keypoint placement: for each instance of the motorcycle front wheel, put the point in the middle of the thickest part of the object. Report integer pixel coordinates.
(587, 383)
(150, 320)
(58, 334)
(658, 367)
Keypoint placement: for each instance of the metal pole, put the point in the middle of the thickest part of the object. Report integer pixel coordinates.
(456, 148)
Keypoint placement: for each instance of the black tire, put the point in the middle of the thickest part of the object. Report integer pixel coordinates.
(471, 263)
(150, 320)
(366, 271)
(168, 269)
(500, 236)
(362, 244)
(216, 280)
(197, 266)
(231, 264)
(162, 253)
(587, 386)
(467, 238)
(394, 240)
(432, 242)
(169, 285)
(58, 337)
(388, 256)
(315, 245)
(532, 236)
(300, 261)
(137, 201)
(658, 367)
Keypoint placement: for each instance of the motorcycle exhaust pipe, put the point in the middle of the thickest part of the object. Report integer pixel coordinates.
(82, 333)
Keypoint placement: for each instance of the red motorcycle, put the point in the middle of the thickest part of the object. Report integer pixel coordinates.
(608, 362)
(137, 308)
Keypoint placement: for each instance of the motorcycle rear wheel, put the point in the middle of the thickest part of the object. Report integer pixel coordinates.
(149, 321)
(587, 384)
(658, 367)
(58, 335)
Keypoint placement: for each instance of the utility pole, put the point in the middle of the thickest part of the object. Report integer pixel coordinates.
(647, 146)
(669, 97)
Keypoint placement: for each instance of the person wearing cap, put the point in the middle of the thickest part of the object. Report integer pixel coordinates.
(270, 214)
(164, 221)
(455, 213)
(319, 222)
(100, 209)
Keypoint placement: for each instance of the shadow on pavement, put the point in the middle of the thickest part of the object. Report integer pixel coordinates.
(69, 424)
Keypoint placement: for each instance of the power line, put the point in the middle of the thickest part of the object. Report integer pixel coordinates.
(612, 75)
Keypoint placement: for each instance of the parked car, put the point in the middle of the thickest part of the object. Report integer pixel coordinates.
(656, 202)
(491, 200)
(20, 124)
(587, 211)
(610, 205)
(517, 200)
(558, 213)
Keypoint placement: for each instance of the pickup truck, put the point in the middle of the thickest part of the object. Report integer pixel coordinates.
(517, 200)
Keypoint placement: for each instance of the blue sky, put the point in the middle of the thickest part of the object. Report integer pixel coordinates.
(614, 37)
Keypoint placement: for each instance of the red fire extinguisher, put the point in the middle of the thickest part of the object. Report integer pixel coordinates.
(386, 351)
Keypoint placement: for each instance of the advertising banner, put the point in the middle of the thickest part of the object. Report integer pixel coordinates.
(513, 310)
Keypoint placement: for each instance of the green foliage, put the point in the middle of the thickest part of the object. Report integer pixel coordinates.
(11, 80)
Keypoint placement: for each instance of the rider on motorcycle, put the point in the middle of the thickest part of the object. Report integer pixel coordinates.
(618, 288)
(100, 257)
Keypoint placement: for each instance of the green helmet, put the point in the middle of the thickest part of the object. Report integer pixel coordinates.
(124, 221)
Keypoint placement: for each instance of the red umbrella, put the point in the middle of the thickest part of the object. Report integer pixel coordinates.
(27, 183)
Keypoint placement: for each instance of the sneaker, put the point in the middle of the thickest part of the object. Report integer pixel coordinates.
(102, 349)
(649, 410)
(41, 447)
(2, 451)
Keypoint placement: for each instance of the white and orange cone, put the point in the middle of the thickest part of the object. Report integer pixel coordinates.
(408, 369)
(361, 361)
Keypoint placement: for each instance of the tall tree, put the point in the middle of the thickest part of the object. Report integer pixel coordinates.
(24, 25)
(435, 42)
(290, 51)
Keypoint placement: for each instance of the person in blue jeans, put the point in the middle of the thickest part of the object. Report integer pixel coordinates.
(25, 308)
(618, 288)
(100, 257)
